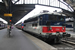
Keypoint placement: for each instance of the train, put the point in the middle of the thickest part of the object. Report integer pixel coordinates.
(2, 25)
(19, 26)
(69, 23)
(69, 26)
(49, 26)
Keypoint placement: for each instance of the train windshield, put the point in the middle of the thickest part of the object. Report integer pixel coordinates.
(53, 19)
(56, 18)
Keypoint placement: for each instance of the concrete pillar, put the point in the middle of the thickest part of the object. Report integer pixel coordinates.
(74, 25)
(74, 21)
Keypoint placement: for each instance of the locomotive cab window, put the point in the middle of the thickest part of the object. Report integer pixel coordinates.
(32, 24)
(52, 17)
(61, 18)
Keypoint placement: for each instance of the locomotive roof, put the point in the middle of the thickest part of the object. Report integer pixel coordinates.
(54, 13)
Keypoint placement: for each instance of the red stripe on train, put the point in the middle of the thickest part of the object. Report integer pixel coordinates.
(53, 30)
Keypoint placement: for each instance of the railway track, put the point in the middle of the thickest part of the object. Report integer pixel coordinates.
(70, 40)
(66, 44)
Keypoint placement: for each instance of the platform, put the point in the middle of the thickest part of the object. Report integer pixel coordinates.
(20, 40)
(17, 41)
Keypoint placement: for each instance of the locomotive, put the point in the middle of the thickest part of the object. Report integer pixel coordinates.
(49, 26)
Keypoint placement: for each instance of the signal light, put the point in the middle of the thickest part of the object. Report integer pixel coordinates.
(10, 20)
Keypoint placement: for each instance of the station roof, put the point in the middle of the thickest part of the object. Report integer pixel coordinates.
(20, 10)
(71, 3)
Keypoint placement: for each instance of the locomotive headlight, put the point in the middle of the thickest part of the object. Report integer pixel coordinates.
(50, 28)
(63, 28)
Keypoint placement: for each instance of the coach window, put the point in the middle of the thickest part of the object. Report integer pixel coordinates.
(0, 25)
(35, 24)
(24, 25)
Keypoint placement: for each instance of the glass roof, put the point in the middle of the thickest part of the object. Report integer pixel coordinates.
(55, 3)
(0, 0)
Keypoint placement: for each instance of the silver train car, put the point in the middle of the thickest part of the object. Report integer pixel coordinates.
(2, 25)
(69, 26)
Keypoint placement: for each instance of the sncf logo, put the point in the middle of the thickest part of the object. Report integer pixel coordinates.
(57, 29)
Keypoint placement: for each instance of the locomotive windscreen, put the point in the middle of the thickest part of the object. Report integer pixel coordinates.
(53, 19)
(56, 18)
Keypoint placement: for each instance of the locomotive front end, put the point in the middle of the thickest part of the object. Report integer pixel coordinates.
(54, 27)
(55, 33)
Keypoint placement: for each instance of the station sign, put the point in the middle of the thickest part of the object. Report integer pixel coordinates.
(8, 15)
